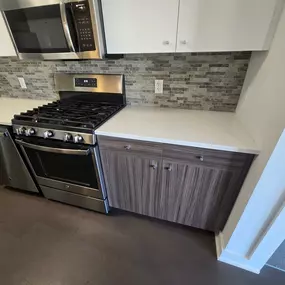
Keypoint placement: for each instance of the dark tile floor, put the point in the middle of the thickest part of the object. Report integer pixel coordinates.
(48, 243)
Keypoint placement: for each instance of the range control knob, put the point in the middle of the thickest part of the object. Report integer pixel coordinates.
(78, 139)
(67, 137)
(31, 132)
(48, 134)
(21, 131)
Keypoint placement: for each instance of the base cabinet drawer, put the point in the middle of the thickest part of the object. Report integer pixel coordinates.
(190, 186)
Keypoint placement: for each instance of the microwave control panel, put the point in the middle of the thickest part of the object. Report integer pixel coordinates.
(82, 16)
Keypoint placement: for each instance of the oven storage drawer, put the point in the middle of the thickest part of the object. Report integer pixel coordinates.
(76, 189)
(76, 200)
(130, 146)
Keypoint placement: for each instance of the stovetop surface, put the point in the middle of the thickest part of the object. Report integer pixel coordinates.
(69, 114)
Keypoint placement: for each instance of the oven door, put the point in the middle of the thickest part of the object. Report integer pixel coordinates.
(52, 29)
(65, 166)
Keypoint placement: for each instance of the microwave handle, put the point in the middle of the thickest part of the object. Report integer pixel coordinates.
(65, 26)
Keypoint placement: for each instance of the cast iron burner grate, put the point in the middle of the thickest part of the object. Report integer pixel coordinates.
(69, 113)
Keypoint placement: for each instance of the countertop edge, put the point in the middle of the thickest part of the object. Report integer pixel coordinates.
(181, 143)
(14, 106)
(6, 124)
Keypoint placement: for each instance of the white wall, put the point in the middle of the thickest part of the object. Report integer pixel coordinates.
(262, 110)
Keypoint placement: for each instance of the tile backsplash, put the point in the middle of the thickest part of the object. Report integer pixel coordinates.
(201, 81)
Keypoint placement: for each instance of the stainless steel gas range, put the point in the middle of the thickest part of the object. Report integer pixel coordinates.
(59, 143)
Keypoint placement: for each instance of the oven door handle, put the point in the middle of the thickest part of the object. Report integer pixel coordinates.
(54, 150)
(65, 26)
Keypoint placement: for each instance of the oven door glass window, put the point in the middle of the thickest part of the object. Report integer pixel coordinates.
(70, 168)
(38, 29)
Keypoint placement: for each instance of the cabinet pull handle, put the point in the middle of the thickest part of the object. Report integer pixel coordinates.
(166, 43)
(183, 42)
(201, 157)
(127, 147)
(153, 166)
(168, 168)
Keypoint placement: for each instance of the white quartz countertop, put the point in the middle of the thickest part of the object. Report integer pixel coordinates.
(204, 129)
(12, 106)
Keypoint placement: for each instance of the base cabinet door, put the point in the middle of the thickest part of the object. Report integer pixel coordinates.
(191, 186)
(131, 181)
(197, 195)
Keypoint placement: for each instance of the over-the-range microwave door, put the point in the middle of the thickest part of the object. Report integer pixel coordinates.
(54, 29)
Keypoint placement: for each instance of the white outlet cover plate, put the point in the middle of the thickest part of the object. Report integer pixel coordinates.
(22, 82)
(158, 86)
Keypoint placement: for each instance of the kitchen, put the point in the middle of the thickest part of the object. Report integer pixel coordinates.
(175, 163)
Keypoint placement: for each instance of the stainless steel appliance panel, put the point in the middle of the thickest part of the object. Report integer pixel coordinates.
(7, 5)
(76, 200)
(89, 139)
(69, 187)
(37, 30)
(15, 171)
(73, 164)
(104, 83)
(44, 29)
(76, 169)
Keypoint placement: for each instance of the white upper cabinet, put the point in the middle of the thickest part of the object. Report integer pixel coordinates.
(157, 26)
(6, 45)
(225, 25)
(140, 26)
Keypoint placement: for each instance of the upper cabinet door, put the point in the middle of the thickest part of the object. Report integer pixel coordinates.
(140, 26)
(226, 25)
(6, 45)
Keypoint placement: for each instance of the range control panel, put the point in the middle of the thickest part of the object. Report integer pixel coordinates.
(85, 82)
(82, 15)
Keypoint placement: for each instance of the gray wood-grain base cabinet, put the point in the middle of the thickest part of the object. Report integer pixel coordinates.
(186, 185)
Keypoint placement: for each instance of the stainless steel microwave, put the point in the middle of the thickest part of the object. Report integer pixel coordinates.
(55, 29)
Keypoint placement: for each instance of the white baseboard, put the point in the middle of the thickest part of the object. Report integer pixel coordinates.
(231, 258)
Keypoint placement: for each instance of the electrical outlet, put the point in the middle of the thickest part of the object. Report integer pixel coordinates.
(158, 88)
(22, 82)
